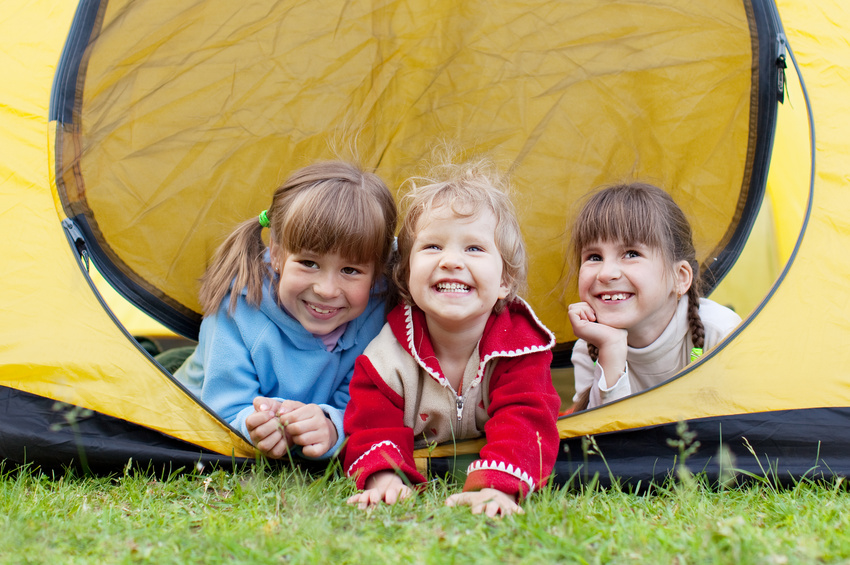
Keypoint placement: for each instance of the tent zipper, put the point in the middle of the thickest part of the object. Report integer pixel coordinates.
(77, 238)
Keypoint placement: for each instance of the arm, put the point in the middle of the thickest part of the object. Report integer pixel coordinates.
(522, 434)
(334, 410)
(611, 342)
(230, 379)
(589, 376)
(374, 421)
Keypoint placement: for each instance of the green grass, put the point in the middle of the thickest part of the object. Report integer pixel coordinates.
(289, 516)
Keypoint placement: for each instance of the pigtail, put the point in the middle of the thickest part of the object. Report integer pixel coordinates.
(239, 260)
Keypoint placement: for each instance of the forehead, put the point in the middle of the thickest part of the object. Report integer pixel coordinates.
(447, 215)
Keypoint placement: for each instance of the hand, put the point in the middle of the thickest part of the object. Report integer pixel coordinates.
(587, 327)
(612, 342)
(308, 426)
(383, 485)
(267, 435)
(490, 501)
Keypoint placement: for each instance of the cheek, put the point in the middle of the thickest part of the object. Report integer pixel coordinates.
(585, 280)
(416, 271)
(358, 295)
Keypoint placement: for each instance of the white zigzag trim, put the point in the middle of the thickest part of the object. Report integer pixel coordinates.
(518, 352)
(484, 465)
(370, 450)
(408, 317)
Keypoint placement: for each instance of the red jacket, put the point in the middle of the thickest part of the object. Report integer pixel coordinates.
(400, 401)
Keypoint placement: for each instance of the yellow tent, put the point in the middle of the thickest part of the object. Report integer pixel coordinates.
(137, 134)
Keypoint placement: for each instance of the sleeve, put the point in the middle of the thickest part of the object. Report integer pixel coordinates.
(374, 421)
(600, 395)
(522, 432)
(590, 375)
(335, 411)
(230, 378)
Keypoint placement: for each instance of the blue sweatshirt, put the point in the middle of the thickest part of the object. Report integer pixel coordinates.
(266, 352)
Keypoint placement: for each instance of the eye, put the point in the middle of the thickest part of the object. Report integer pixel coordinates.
(475, 248)
(309, 263)
(632, 254)
(592, 257)
(351, 271)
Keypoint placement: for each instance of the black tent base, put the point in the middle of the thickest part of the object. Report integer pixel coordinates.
(782, 447)
(44, 435)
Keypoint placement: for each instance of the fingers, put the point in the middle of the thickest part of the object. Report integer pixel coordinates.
(366, 499)
(287, 406)
(374, 496)
(271, 440)
(396, 493)
(489, 502)
(276, 425)
(581, 311)
(310, 428)
(263, 404)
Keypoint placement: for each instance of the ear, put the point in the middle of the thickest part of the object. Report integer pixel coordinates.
(276, 255)
(504, 290)
(683, 277)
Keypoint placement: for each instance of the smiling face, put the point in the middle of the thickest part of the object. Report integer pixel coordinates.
(322, 291)
(632, 288)
(456, 269)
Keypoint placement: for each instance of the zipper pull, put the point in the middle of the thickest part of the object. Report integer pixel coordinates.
(76, 237)
(781, 64)
(459, 406)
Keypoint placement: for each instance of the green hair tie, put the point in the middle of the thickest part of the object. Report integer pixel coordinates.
(696, 352)
(264, 219)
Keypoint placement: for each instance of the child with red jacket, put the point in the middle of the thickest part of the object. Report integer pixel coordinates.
(462, 357)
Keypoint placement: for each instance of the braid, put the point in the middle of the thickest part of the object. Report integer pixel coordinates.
(694, 321)
(593, 351)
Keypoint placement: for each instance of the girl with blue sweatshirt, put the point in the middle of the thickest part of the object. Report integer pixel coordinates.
(284, 323)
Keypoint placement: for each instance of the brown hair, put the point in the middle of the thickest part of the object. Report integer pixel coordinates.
(327, 207)
(638, 213)
(467, 190)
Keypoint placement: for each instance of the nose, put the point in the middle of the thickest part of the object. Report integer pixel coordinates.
(326, 286)
(451, 260)
(609, 270)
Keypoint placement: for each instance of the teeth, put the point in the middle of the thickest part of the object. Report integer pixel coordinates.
(620, 296)
(452, 287)
(322, 310)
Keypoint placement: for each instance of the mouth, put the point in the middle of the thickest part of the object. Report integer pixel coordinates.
(451, 287)
(614, 296)
(322, 310)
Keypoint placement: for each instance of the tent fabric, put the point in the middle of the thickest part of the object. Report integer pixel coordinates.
(119, 111)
